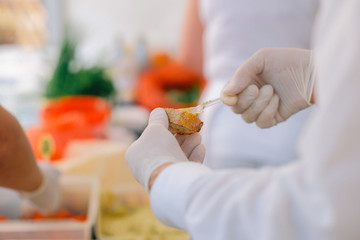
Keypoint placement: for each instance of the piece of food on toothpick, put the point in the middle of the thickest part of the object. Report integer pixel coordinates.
(183, 122)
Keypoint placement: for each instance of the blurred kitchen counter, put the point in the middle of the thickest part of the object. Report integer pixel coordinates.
(102, 158)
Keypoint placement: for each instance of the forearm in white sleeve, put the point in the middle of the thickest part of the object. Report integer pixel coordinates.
(313, 198)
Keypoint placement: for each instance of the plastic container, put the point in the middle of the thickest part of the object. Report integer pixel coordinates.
(80, 195)
(125, 214)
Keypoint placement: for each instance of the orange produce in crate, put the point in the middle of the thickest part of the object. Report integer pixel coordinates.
(159, 58)
(61, 214)
(170, 85)
(66, 119)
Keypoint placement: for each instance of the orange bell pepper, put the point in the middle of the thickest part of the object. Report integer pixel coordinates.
(65, 119)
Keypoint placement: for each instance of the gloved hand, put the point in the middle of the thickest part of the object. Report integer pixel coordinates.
(271, 86)
(47, 197)
(157, 146)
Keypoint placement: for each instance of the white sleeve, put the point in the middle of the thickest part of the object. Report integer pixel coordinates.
(316, 197)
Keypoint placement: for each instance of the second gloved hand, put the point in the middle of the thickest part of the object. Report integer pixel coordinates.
(157, 146)
(47, 197)
(271, 86)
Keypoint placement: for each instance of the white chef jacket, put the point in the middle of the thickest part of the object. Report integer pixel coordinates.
(316, 197)
(233, 31)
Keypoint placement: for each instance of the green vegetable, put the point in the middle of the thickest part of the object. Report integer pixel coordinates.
(86, 81)
(184, 96)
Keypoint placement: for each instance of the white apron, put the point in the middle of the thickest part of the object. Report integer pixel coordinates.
(234, 30)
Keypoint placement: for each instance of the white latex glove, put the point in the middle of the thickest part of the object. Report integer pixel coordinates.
(271, 86)
(47, 197)
(157, 146)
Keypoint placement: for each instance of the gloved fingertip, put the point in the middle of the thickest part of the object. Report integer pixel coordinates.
(159, 116)
(254, 90)
(267, 89)
(229, 100)
(228, 88)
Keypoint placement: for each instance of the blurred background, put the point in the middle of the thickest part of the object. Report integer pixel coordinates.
(121, 51)
(106, 32)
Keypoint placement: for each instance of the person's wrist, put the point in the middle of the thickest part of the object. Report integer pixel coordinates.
(156, 173)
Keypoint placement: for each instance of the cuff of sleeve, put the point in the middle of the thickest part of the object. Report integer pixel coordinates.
(151, 168)
(172, 189)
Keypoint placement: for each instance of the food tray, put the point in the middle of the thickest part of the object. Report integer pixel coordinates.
(80, 194)
(125, 214)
